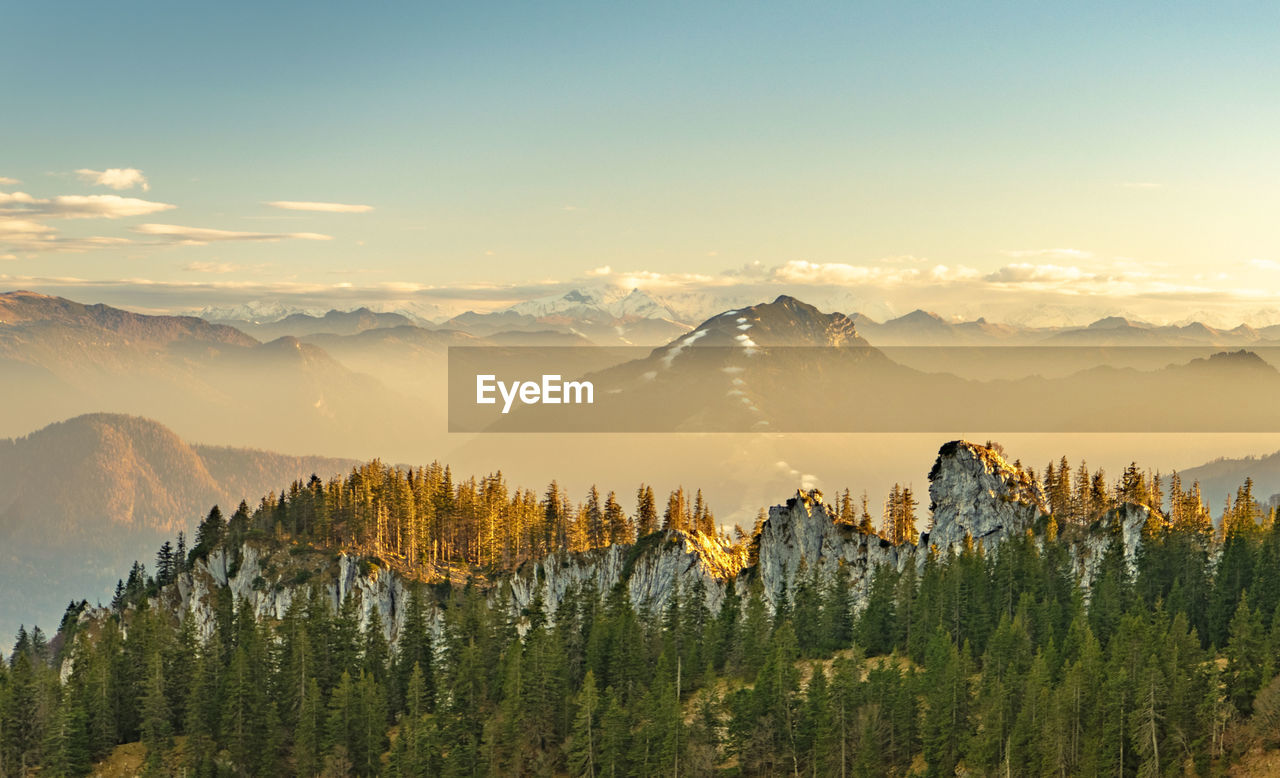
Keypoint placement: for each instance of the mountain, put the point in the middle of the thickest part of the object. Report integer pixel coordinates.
(333, 323)
(976, 495)
(586, 303)
(81, 499)
(1220, 478)
(604, 316)
(736, 371)
(59, 358)
(1119, 331)
(785, 366)
(810, 622)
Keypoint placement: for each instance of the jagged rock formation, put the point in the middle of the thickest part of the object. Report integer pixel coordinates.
(975, 493)
(256, 576)
(803, 535)
(651, 569)
(1125, 521)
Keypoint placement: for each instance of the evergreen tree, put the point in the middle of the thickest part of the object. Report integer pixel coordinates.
(584, 755)
(646, 511)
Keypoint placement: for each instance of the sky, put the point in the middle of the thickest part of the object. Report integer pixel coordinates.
(1092, 158)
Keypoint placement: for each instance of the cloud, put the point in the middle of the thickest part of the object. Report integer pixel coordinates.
(115, 178)
(212, 267)
(9, 227)
(199, 236)
(6, 181)
(299, 205)
(800, 271)
(603, 270)
(1026, 273)
(1264, 264)
(26, 234)
(78, 206)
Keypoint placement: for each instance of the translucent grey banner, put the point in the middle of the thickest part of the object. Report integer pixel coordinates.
(684, 387)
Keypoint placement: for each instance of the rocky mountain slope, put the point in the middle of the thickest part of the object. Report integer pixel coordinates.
(976, 496)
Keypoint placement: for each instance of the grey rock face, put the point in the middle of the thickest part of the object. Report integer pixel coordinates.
(1125, 521)
(975, 492)
(250, 580)
(651, 569)
(803, 535)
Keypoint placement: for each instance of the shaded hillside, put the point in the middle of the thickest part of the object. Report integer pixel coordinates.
(81, 498)
(1219, 478)
(59, 359)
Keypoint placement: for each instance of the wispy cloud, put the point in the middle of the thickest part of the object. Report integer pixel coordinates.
(78, 206)
(199, 236)
(115, 178)
(212, 267)
(6, 181)
(1264, 264)
(1027, 273)
(300, 205)
(799, 271)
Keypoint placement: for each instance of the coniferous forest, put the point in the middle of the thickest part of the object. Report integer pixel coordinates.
(987, 661)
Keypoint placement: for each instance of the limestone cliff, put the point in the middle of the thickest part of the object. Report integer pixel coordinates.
(975, 493)
(803, 534)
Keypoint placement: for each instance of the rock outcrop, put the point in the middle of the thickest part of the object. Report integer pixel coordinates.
(1125, 522)
(976, 493)
(802, 534)
(650, 569)
(268, 584)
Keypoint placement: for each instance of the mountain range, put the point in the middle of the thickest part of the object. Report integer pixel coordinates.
(785, 366)
(610, 315)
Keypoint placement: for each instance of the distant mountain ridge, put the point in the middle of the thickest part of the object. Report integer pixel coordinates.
(82, 497)
(612, 315)
(60, 358)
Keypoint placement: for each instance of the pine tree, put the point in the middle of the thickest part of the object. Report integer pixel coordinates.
(646, 511)
(616, 521)
(585, 754)
(615, 737)
(209, 534)
(593, 514)
(1246, 657)
(157, 730)
(677, 516)
(309, 732)
(946, 697)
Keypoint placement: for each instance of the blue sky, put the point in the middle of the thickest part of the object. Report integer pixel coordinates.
(1121, 155)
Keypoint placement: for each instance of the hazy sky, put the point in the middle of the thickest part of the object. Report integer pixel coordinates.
(171, 155)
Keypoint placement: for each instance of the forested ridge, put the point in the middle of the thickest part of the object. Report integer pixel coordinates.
(990, 660)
